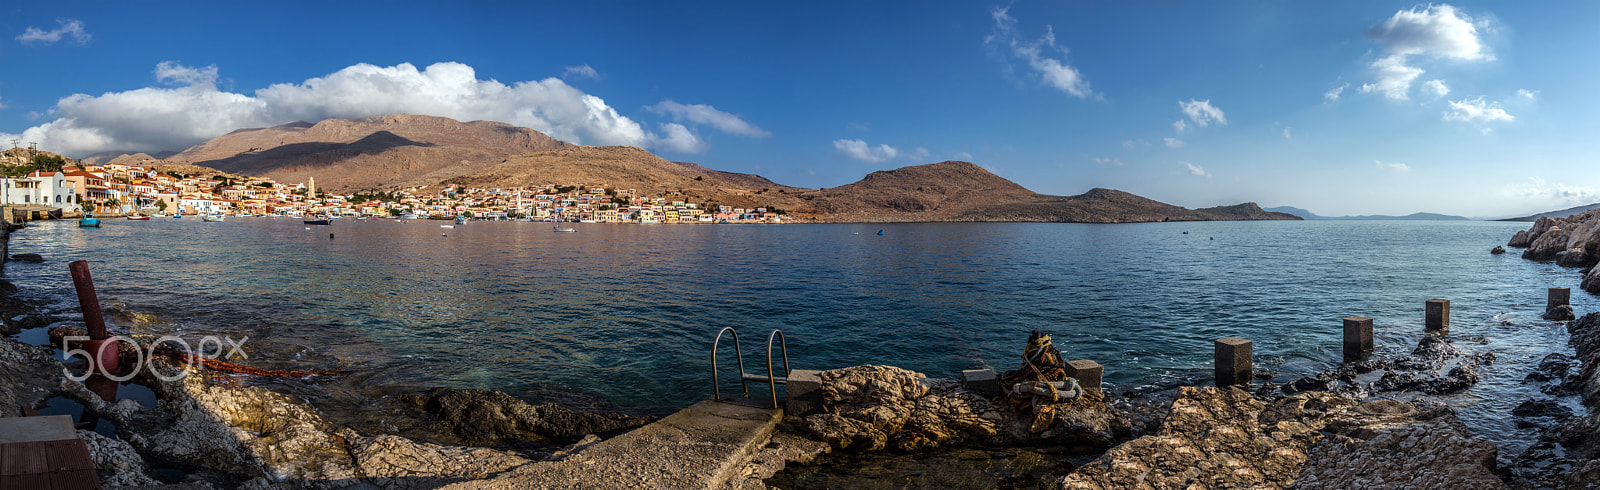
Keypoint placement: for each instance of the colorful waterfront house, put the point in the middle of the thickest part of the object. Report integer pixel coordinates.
(90, 186)
(39, 188)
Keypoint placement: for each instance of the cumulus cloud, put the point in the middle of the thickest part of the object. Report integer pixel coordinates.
(1112, 161)
(1437, 31)
(919, 154)
(705, 114)
(1393, 167)
(1394, 77)
(171, 118)
(1135, 143)
(860, 150)
(581, 71)
(1173, 142)
(69, 28)
(1438, 87)
(1537, 190)
(1527, 94)
(1286, 134)
(1202, 112)
(1476, 111)
(1333, 94)
(1195, 170)
(1053, 72)
(1180, 126)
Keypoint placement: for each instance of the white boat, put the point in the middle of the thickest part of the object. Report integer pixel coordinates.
(566, 230)
(447, 226)
(211, 217)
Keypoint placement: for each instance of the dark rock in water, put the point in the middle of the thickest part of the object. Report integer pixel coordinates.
(34, 258)
(1419, 371)
(1560, 313)
(1497, 250)
(1542, 408)
(1554, 366)
(492, 418)
(1432, 352)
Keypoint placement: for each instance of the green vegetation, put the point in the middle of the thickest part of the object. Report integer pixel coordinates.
(161, 204)
(48, 163)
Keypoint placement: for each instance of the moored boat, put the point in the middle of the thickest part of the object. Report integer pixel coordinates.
(138, 217)
(211, 217)
(318, 221)
(565, 230)
(89, 221)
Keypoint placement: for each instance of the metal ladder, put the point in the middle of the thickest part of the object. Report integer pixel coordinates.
(744, 379)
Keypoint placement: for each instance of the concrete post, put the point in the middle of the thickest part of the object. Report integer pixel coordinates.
(1357, 338)
(1087, 372)
(1233, 361)
(1437, 316)
(984, 382)
(803, 392)
(1557, 297)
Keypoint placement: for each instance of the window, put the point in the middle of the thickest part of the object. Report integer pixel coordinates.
(58, 199)
(25, 198)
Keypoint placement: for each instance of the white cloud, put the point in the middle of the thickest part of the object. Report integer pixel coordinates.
(1111, 161)
(1333, 94)
(1394, 167)
(676, 137)
(170, 72)
(582, 71)
(1053, 72)
(1487, 131)
(705, 114)
(1437, 31)
(919, 154)
(174, 118)
(1537, 190)
(1195, 170)
(1394, 77)
(1202, 112)
(1173, 142)
(1438, 87)
(69, 27)
(1180, 126)
(860, 150)
(1135, 143)
(1286, 134)
(1527, 94)
(963, 156)
(1476, 111)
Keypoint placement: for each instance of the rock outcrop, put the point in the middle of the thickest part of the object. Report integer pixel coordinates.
(1573, 241)
(492, 418)
(1225, 438)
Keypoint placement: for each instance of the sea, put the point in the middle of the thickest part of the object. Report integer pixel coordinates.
(629, 312)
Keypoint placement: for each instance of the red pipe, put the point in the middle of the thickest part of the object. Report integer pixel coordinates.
(88, 301)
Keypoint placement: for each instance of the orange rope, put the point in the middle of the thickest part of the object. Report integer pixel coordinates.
(228, 367)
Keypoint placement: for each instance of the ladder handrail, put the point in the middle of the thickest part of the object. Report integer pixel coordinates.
(716, 386)
(771, 380)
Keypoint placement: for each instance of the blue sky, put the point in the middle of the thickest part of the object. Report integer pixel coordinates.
(1477, 109)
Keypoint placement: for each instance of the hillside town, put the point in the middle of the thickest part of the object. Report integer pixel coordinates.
(46, 181)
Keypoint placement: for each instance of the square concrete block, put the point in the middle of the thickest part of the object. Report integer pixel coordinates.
(804, 391)
(1357, 337)
(1557, 297)
(984, 382)
(1438, 315)
(1233, 358)
(1087, 372)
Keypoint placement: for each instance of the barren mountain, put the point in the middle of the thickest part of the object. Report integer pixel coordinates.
(404, 151)
(387, 152)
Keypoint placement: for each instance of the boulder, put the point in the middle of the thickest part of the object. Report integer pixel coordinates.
(874, 407)
(117, 464)
(1525, 238)
(1549, 245)
(34, 258)
(1225, 438)
(1560, 313)
(1497, 250)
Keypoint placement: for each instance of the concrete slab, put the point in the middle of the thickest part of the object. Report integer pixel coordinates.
(700, 447)
(34, 429)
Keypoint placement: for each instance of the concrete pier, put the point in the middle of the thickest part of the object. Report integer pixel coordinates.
(1087, 372)
(1357, 338)
(984, 382)
(1557, 297)
(1233, 361)
(1437, 316)
(803, 392)
(703, 446)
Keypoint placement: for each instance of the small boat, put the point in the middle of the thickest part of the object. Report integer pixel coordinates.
(213, 218)
(565, 230)
(447, 226)
(318, 221)
(177, 215)
(138, 217)
(89, 221)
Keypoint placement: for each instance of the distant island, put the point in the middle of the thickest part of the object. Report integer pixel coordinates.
(1555, 214)
(425, 154)
(1308, 215)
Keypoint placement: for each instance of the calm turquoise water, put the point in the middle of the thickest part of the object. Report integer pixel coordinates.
(629, 311)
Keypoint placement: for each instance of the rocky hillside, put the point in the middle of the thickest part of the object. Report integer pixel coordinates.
(409, 151)
(961, 191)
(387, 152)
